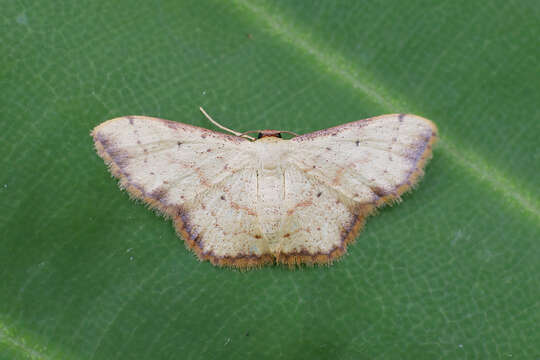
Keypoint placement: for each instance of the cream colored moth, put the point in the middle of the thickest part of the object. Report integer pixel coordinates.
(244, 202)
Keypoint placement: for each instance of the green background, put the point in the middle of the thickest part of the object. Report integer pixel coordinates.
(452, 272)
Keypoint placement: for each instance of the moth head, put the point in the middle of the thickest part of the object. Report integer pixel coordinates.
(269, 134)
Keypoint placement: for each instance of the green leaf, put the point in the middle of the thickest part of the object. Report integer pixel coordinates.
(451, 272)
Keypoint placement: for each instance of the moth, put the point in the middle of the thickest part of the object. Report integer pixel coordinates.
(245, 202)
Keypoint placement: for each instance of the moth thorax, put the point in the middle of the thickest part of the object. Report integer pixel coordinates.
(270, 151)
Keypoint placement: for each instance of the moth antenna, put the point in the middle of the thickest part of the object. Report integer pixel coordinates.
(225, 128)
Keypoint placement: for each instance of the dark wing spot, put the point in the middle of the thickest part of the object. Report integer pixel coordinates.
(319, 194)
(159, 193)
(378, 191)
(103, 140)
(222, 197)
(119, 156)
(328, 148)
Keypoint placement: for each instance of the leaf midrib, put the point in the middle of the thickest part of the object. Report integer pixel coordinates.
(8, 339)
